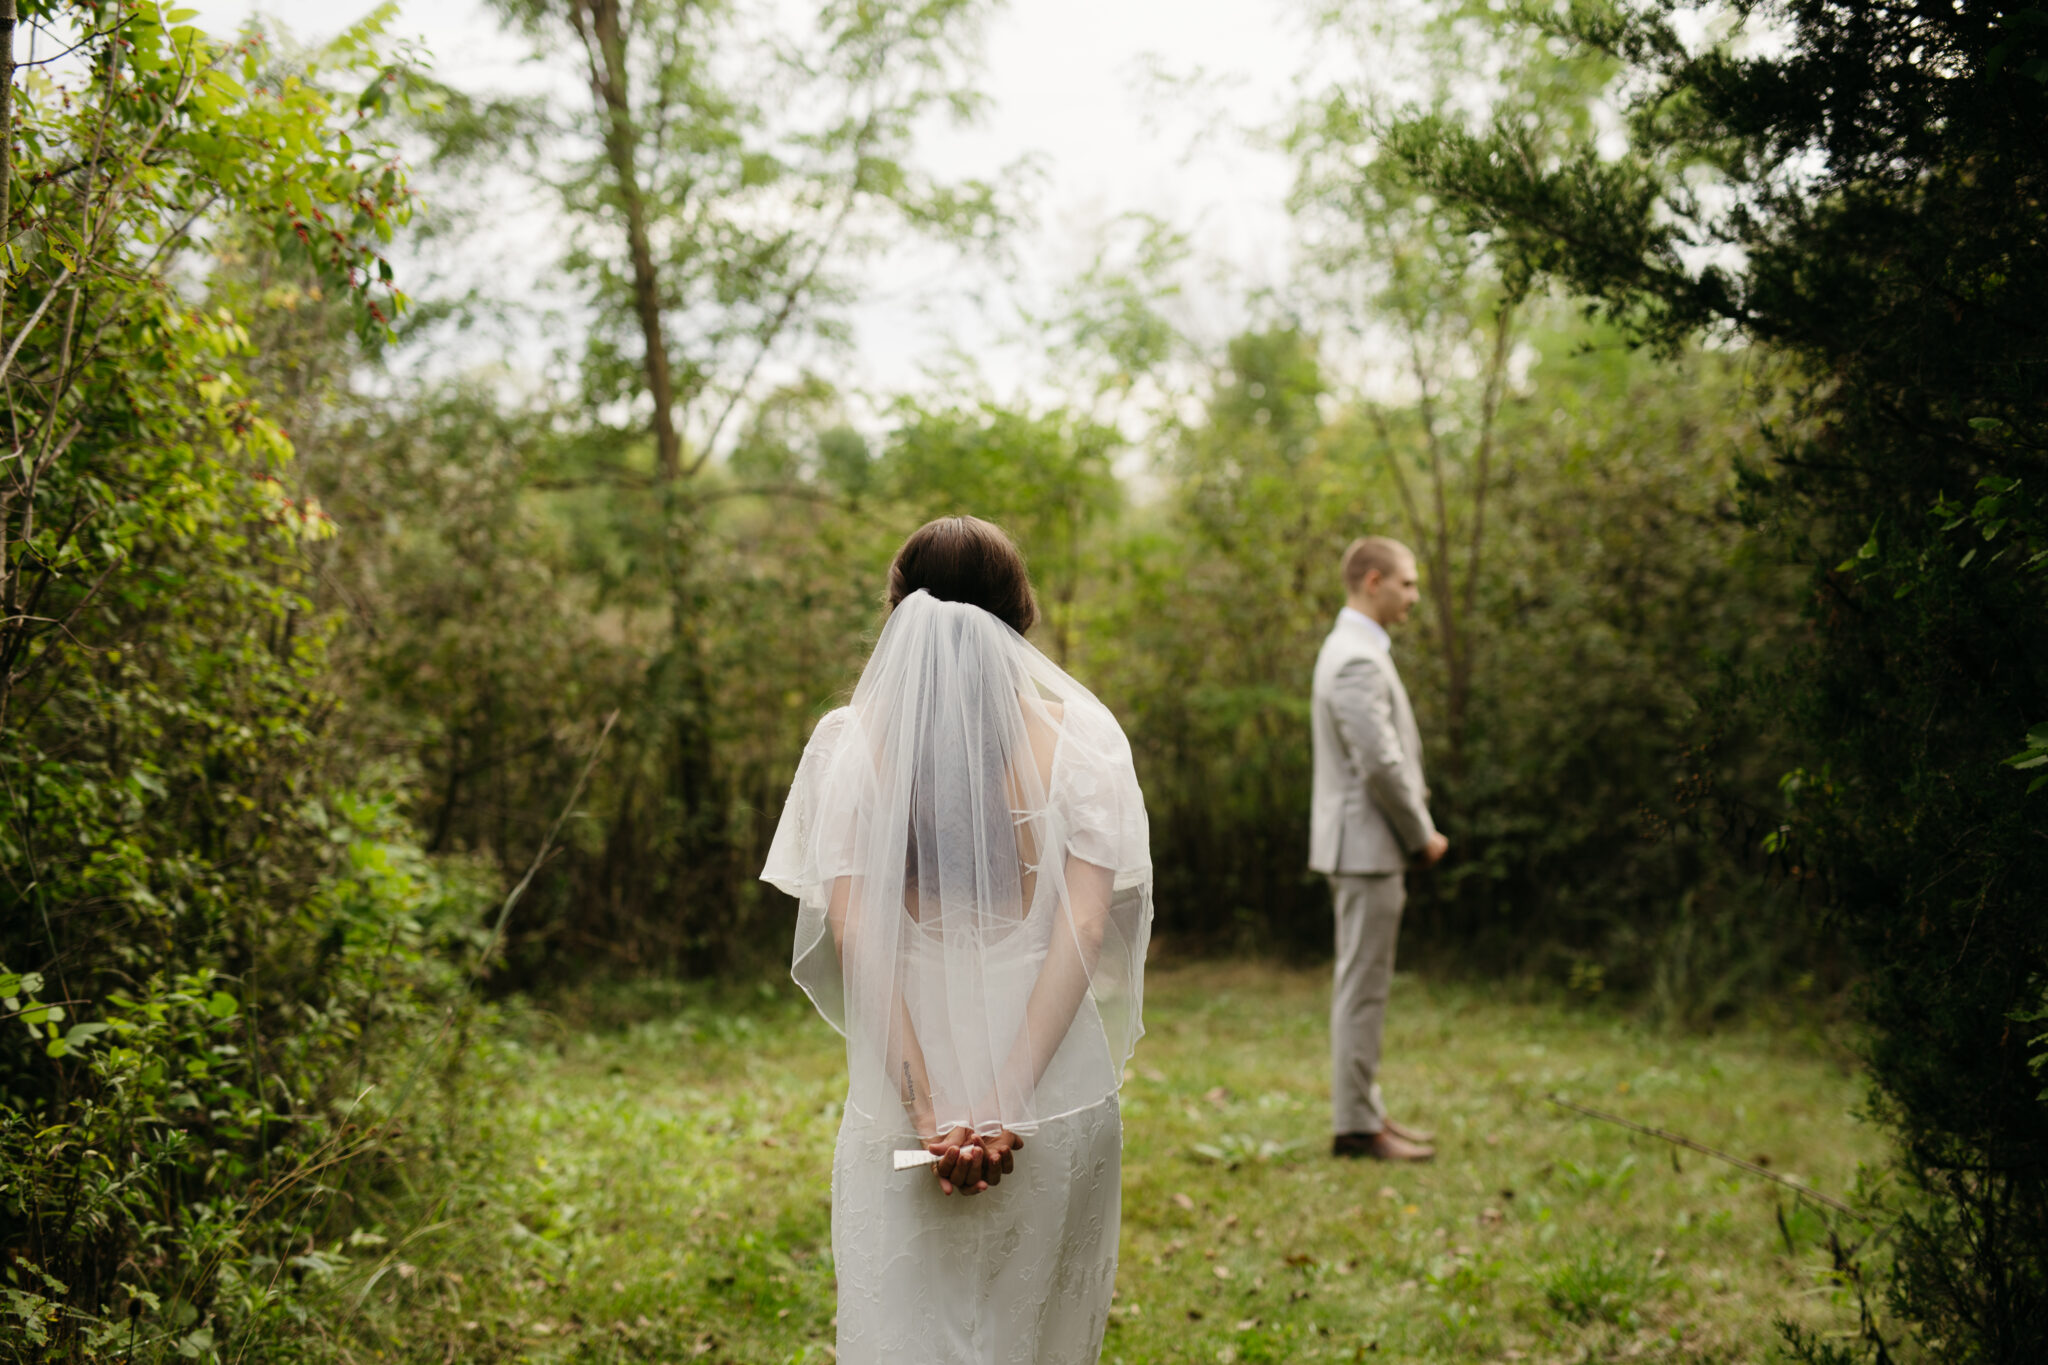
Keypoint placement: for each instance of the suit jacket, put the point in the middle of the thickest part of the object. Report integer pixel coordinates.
(1369, 811)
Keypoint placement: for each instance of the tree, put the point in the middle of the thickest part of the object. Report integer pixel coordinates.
(1397, 268)
(1046, 479)
(725, 176)
(1861, 188)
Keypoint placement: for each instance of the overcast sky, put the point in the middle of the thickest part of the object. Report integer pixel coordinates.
(1068, 84)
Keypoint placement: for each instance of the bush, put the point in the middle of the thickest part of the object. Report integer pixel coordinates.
(218, 939)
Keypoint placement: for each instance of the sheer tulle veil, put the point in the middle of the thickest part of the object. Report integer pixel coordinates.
(968, 848)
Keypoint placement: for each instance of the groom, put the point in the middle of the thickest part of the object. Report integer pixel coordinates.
(1368, 822)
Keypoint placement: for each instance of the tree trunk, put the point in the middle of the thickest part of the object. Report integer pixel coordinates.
(604, 42)
(8, 18)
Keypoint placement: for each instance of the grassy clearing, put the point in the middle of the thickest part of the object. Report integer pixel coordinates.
(659, 1191)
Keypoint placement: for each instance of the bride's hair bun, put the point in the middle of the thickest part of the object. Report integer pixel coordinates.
(966, 559)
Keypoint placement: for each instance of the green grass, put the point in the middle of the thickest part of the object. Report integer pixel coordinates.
(660, 1191)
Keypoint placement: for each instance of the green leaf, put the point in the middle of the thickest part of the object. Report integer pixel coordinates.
(79, 1034)
(222, 1005)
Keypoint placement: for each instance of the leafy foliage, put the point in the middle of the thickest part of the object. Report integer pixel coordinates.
(1864, 193)
(215, 936)
(1600, 813)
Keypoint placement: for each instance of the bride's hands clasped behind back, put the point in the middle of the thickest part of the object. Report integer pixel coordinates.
(972, 1164)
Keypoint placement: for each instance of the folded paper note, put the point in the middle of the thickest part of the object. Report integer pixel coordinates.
(911, 1160)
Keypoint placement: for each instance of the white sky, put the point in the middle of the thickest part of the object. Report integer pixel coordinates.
(1067, 83)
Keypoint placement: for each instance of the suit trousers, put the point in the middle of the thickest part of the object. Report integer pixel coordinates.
(1368, 922)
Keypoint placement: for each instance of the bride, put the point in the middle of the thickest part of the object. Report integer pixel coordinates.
(967, 845)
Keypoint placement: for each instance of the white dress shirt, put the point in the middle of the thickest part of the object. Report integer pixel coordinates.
(1373, 628)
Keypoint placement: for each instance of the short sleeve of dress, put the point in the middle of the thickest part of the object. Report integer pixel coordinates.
(799, 854)
(1096, 793)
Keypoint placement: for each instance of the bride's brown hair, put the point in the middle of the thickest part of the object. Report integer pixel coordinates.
(966, 559)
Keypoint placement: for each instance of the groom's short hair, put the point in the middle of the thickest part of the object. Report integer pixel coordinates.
(1367, 553)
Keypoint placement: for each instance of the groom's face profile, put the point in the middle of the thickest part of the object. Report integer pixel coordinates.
(1387, 596)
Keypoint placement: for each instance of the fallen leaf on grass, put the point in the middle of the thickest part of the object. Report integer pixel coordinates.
(1488, 1217)
(1222, 1272)
(1185, 1202)
(1246, 1325)
(1389, 1192)
(1300, 1258)
(1217, 1096)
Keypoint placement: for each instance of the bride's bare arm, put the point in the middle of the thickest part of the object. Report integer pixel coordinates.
(845, 913)
(1077, 934)
(964, 1163)
(1079, 927)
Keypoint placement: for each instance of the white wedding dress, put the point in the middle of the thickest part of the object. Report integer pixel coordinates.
(968, 848)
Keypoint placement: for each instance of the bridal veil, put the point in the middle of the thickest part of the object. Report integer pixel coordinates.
(968, 848)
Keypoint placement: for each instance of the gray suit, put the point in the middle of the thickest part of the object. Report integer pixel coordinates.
(1368, 818)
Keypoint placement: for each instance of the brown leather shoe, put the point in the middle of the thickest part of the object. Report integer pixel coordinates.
(1380, 1146)
(1407, 1134)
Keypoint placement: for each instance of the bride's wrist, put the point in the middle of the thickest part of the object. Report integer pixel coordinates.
(922, 1119)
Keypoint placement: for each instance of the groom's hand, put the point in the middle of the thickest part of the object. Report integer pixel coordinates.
(1433, 851)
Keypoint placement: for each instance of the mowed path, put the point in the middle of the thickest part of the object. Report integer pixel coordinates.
(660, 1191)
